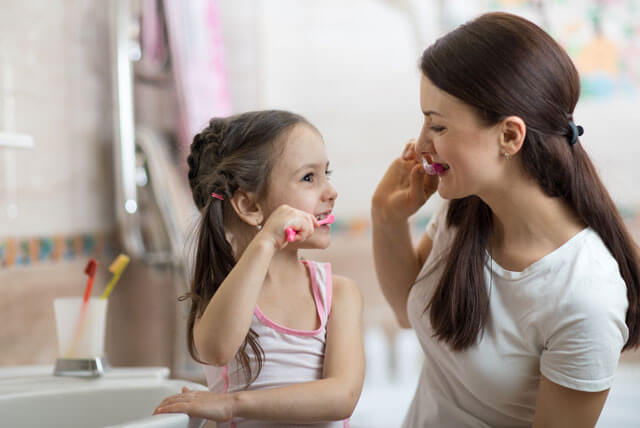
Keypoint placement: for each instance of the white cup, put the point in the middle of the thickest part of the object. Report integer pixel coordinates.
(80, 331)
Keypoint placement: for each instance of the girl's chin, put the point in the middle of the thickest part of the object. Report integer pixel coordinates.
(315, 244)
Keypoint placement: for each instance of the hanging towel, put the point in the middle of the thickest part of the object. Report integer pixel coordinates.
(197, 55)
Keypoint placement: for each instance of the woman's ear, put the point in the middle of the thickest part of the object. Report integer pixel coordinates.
(246, 207)
(513, 131)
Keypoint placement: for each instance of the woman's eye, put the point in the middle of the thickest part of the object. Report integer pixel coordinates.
(308, 177)
(437, 128)
(328, 173)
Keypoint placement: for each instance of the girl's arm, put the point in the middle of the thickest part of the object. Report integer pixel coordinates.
(219, 333)
(332, 398)
(225, 322)
(562, 407)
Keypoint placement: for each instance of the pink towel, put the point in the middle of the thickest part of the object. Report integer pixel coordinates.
(197, 55)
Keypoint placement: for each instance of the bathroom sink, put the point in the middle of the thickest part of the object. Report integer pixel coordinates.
(123, 397)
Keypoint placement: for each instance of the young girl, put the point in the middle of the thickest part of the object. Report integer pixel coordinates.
(281, 337)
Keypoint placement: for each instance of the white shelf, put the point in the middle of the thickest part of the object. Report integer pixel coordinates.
(16, 141)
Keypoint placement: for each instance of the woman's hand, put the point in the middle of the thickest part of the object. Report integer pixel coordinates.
(274, 229)
(404, 188)
(201, 404)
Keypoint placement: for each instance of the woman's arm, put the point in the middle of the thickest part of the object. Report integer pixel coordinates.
(562, 407)
(332, 398)
(398, 264)
(402, 191)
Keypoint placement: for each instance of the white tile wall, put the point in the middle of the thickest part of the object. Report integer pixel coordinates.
(55, 86)
(350, 67)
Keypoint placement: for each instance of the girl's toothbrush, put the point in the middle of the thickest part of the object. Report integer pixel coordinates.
(90, 270)
(116, 268)
(291, 232)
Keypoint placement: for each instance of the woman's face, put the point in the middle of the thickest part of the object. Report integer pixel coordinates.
(454, 137)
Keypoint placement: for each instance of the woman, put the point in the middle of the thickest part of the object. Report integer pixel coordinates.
(524, 289)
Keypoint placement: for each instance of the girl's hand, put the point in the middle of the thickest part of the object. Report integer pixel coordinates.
(274, 229)
(201, 404)
(404, 188)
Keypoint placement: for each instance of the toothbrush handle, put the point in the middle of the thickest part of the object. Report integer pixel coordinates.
(87, 290)
(291, 232)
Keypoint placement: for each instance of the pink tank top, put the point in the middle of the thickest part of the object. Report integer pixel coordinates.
(291, 356)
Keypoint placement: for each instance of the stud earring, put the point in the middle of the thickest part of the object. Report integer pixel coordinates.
(259, 226)
(506, 155)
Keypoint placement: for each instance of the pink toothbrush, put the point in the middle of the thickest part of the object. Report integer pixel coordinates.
(291, 232)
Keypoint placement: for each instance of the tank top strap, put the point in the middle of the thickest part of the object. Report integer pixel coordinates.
(321, 285)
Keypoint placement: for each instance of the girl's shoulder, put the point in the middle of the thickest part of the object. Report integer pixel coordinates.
(342, 284)
(346, 292)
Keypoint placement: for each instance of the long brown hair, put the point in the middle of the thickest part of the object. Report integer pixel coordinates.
(503, 65)
(232, 153)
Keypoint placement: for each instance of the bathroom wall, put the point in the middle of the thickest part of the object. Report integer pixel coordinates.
(56, 200)
(350, 67)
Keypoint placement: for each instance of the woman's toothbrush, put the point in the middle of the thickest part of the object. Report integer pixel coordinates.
(116, 268)
(428, 168)
(291, 232)
(90, 270)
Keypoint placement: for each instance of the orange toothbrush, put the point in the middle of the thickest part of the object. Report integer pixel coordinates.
(90, 270)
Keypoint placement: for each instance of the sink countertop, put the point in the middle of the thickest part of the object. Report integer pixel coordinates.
(19, 379)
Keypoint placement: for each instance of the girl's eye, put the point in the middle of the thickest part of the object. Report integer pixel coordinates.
(328, 173)
(308, 177)
(437, 128)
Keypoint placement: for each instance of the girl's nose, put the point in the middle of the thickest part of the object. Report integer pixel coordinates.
(331, 193)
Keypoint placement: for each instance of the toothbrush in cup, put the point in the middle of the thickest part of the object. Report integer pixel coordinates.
(291, 232)
(90, 270)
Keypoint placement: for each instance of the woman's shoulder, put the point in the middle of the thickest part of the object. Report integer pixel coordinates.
(593, 262)
(594, 283)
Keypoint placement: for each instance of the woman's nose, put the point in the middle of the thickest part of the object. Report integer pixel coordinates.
(424, 143)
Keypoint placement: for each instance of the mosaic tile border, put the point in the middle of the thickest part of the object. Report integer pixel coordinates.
(20, 252)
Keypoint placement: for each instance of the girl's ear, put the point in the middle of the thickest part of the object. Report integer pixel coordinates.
(246, 207)
(513, 131)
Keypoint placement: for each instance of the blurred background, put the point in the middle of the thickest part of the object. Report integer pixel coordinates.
(99, 101)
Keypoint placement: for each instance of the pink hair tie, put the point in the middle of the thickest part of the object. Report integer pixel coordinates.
(217, 196)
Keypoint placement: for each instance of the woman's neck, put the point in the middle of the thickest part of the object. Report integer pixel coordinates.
(529, 223)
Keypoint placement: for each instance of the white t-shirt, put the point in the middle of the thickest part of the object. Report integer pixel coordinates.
(563, 316)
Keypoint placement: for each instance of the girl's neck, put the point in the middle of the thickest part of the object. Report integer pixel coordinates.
(285, 268)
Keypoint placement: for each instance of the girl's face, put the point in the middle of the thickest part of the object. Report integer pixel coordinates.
(453, 136)
(300, 179)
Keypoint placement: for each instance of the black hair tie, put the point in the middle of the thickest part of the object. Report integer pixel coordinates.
(574, 132)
